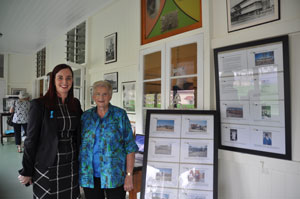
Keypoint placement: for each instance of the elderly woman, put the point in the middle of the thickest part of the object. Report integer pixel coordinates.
(107, 148)
(20, 109)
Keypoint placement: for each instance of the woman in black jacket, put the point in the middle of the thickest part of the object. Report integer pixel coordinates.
(50, 160)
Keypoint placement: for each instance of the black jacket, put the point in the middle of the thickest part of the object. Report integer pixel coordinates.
(41, 143)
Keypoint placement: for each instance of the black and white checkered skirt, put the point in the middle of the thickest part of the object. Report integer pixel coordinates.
(60, 180)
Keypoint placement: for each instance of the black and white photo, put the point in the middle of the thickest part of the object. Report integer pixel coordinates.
(247, 13)
(110, 48)
(112, 78)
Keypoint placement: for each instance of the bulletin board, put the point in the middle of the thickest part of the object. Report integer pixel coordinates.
(253, 97)
(180, 155)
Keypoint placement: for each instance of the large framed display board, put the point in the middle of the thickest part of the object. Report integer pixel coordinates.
(180, 155)
(253, 97)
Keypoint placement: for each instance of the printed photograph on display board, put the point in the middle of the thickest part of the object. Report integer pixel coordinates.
(247, 13)
(180, 154)
(253, 97)
(164, 18)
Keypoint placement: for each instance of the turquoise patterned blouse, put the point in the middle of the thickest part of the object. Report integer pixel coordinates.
(111, 146)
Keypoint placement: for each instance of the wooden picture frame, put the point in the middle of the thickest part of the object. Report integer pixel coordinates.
(253, 97)
(112, 78)
(256, 13)
(165, 18)
(110, 48)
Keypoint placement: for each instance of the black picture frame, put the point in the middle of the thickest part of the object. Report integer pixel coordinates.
(16, 91)
(112, 78)
(110, 48)
(249, 109)
(258, 13)
(181, 117)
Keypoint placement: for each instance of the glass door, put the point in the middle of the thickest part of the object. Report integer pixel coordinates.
(184, 73)
(152, 63)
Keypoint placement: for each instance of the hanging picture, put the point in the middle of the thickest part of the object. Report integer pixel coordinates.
(164, 18)
(128, 96)
(110, 45)
(16, 91)
(112, 78)
(92, 102)
(253, 97)
(247, 13)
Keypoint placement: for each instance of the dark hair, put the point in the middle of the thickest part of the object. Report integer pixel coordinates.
(50, 97)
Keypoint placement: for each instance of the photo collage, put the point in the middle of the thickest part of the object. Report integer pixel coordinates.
(180, 156)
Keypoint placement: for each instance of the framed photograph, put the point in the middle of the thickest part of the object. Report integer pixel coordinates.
(92, 102)
(247, 13)
(16, 91)
(112, 78)
(180, 154)
(110, 48)
(165, 18)
(255, 117)
(128, 96)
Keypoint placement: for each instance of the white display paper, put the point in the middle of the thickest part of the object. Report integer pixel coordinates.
(165, 126)
(160, 174)
(199, 126)
(163, 149)
(197, 151)
(196, 177)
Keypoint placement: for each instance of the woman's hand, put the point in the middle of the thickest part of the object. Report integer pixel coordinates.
(128, 185)
(25, 180)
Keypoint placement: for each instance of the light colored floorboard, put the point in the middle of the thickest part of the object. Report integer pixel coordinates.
(10, 163)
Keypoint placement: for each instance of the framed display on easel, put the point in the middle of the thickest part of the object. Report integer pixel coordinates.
(180, 154)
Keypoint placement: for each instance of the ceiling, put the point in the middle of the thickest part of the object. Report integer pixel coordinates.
(29, 25)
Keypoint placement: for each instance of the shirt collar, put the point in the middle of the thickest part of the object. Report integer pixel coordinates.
(96, 116)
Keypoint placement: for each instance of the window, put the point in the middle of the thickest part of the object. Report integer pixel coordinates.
(76, 44)
(41, 63)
